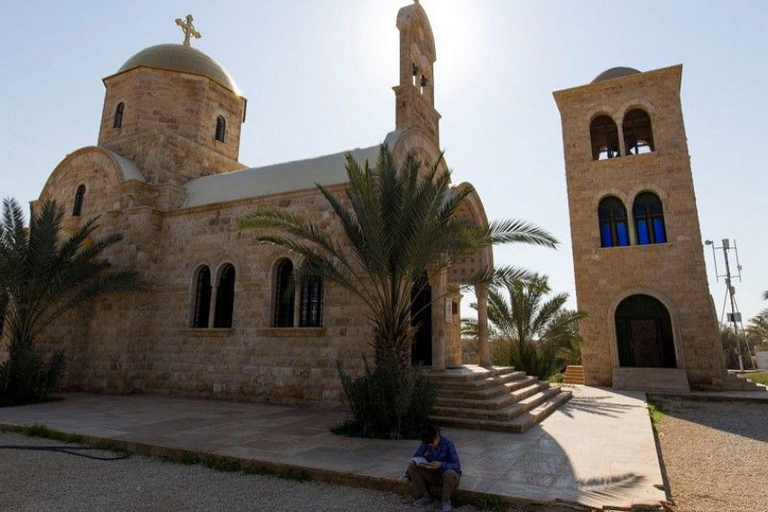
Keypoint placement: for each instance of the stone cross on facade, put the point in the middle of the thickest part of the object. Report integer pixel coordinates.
(188, 29)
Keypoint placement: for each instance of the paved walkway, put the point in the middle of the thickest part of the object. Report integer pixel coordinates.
(597, 450)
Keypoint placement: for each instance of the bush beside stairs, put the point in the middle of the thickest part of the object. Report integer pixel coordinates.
(497, 398)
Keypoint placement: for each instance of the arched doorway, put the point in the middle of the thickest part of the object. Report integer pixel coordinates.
(421, 317)
(644, 333)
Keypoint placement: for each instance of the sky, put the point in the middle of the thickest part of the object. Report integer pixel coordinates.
(318, 79)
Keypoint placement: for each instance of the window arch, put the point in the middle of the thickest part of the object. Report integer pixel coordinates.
(638, 133)
(649, 219)
(284, 294)
(605, 138)
(202, 305)
(311, 309)
(225, 297)
(118, 120)
(77, 210)
(613, 223)
(221, 128)
(644, 334)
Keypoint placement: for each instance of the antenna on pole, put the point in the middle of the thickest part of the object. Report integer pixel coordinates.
(734, 316)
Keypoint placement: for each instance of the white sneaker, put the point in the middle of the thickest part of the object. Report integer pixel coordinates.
(447, 506)
(423, 501)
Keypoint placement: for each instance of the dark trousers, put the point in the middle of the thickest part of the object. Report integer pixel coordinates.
(423, 477)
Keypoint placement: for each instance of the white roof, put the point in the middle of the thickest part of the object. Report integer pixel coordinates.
(279, 178)
(128, 169)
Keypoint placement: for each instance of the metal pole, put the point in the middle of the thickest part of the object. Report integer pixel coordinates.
(726, 246)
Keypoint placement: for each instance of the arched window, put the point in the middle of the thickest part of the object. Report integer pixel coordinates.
(638, 134)
(77, 210)
(649, 219)
(221, 128)
(605, 138)
(311, 310)
(225, 298)
(118, 121)
(613, 223)
(202, 298)
(284, 294)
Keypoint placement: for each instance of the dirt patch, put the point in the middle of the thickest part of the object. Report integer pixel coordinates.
(715, 455)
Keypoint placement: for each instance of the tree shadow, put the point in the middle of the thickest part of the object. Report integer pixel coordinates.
(746, 419)
(599, 405)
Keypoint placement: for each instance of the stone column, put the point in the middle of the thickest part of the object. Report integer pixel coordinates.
(439, 284)
(214, 295)
(484, 351)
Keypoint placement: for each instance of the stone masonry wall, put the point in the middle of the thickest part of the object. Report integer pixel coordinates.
(674, 271)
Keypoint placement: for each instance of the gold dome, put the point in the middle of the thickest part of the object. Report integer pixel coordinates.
(185, 59)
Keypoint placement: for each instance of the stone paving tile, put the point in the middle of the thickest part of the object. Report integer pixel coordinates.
(597, 450)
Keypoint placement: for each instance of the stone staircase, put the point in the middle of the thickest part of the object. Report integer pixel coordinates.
(499, 398)
(736, 382)
(574, 374)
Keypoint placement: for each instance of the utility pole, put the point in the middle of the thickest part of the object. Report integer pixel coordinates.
(734, 316)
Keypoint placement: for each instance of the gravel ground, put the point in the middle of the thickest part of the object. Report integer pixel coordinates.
(34, 481)
(715, 455)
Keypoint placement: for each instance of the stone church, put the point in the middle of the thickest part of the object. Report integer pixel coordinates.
(221, 314)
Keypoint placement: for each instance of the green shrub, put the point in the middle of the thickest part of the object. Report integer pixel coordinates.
(388, 402)
(26, 378)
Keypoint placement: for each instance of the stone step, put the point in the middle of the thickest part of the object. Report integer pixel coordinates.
(540, 394)
(518, 424)
(574, 374)
(468, 373)
(486, 393)
(481, 383)
(651, 379)
(511, 392)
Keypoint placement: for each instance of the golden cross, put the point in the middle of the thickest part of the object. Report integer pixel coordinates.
(188, 29)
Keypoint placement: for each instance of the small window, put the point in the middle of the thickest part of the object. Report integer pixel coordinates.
(225, 298)
(77, 210)
(118, 121)
(284, 294)
(638, 134)
(649, 219)
(202, 298)
(311, 311)
(613, 223)
(221, 128)
(605, 138)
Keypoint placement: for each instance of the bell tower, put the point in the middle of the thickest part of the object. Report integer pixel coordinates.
(415, 95)
(637, 251)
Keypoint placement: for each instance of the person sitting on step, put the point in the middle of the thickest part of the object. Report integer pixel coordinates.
(442, 467)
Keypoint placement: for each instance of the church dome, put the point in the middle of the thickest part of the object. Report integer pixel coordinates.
(185, 59)
(610, 74)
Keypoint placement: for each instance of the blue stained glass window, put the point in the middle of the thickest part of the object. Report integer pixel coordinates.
(613, 223)
(649, 219)
(623, 233)
(658, 230)
(643, 238)
(605, 234)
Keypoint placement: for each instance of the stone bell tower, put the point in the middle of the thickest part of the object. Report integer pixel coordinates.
(637, 251)
(415, 96)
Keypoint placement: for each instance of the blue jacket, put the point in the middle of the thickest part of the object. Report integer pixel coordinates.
(445, 453)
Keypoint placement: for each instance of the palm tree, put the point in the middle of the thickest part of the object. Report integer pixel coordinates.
(44, 274)
(398, 221)
(542, 336)
(765, 295)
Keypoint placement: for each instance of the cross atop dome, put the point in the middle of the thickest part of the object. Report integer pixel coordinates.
(188, 28)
